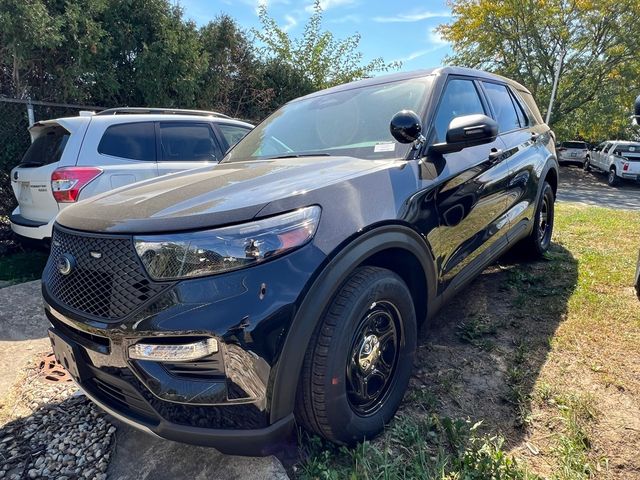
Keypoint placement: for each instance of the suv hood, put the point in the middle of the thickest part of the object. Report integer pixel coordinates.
(211, 196)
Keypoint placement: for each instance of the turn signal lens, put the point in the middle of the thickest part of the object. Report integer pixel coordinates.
(67, 182)
(174, 353)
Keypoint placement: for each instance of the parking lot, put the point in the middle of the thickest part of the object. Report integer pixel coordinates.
(590, 188)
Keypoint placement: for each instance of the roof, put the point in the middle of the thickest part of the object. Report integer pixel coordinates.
(144, 117)
(397, 77)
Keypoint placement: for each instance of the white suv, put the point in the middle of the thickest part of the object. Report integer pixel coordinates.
(617, 159)
(74, 158)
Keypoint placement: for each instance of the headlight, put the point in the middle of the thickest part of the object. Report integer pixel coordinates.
(195, 254)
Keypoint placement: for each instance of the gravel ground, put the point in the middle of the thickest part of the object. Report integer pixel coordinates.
(52, 432)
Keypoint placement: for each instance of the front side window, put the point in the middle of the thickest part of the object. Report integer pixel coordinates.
(503, 107)
(186, 142)
(232, 133)
(352, 122)
(460, 98)
(134, 141)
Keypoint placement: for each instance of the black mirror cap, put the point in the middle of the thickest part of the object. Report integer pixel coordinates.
(406, 126)
(468, 131)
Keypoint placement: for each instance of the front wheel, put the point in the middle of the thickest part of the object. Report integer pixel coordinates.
(358, 363)
(586, 166)
(612, 178)
(539, 240)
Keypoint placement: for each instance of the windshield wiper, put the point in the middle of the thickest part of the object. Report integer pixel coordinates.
(298, 155)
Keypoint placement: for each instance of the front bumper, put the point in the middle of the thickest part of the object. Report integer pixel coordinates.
(222, 402)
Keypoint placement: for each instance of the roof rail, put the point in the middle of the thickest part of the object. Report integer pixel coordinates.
(164, 111)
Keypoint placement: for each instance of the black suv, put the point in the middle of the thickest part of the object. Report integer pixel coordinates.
(220, 306)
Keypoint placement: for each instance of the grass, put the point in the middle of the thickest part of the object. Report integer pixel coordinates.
(22, 266)
(533, 374)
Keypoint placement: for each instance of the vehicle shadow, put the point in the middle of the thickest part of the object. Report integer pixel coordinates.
(480, 358)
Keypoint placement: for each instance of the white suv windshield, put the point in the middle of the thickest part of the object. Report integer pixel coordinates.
(352, 122)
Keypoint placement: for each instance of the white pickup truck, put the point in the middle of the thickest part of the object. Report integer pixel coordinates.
(618, 159)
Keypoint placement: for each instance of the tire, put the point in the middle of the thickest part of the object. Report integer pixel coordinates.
(343, 353)
(537, 243)
(586, 166)
(612, 178)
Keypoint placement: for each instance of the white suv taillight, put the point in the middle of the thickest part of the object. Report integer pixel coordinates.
(67, 182)
(625, 167)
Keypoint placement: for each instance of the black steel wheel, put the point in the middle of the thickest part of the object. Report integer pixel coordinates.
(373, 358)
(539, 240)
(359, 360)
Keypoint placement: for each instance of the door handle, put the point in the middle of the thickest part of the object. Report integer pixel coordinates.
(534, 136)
(495, 155)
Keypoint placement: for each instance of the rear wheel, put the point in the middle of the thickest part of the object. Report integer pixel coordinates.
(539, 240)
(358, 363)
(612, 178)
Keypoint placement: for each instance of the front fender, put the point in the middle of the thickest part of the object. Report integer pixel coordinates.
(285, 376)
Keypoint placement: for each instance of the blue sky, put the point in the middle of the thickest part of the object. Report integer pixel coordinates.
(392, 30)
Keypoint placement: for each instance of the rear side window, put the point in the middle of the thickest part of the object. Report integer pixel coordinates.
(183, 142)
(503, 106)
(232, 133)
(460, 98)
(531, 105)
(46, 148)
(135, 141)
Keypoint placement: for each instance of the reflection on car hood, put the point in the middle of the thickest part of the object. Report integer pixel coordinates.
(211, 196)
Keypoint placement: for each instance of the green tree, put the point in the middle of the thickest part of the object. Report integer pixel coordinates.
(317, 54)
(524, 40)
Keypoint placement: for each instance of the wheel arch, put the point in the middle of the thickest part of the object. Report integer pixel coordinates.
(396, 247)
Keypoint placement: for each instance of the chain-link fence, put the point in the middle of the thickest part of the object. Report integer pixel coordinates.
(15, 118)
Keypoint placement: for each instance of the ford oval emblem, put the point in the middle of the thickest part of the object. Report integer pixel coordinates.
(65, 264)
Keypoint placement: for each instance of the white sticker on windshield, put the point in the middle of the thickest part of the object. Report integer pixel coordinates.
(384, 147)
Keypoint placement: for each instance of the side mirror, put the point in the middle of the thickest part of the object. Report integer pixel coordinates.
(467, 131)
(406, 126)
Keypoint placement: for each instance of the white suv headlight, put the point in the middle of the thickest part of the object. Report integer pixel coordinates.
(196, 254)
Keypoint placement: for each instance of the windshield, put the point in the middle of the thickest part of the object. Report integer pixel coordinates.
(352, 123)
(580, 145)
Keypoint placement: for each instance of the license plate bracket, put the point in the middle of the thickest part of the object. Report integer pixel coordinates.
(65, 354)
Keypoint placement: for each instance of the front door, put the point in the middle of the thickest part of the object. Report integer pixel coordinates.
(471, 196)
(186, 145)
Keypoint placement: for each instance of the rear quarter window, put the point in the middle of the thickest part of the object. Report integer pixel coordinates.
(47, 148)
(134, 141)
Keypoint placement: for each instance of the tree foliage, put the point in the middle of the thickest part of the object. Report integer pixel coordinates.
(524, 40)
(321, 58)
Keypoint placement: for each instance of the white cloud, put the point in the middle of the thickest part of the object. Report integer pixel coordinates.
(291, 22)
(347, 19)
(411, 17)
(327, 4)
(435, 38)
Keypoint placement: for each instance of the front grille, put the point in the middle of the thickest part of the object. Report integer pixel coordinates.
(108, 285)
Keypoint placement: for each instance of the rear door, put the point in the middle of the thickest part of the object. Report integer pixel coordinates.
(184, 145)
(525, 147)
(125, 151)
(54, 144)
(472, 198)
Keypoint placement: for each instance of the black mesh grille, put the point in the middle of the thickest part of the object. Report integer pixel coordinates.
(106, 280)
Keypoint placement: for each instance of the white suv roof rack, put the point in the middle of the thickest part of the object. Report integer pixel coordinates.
(163, 111)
